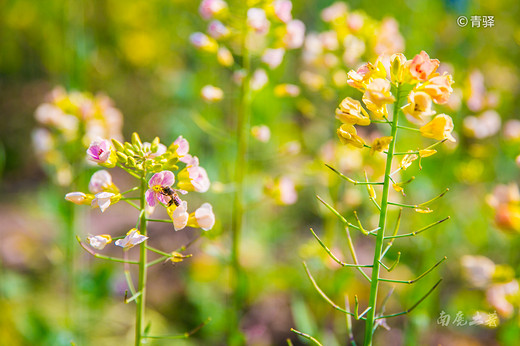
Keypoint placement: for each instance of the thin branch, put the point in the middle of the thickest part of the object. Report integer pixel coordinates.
(359, 224)
(130, 198)
(335, 212)
(129, 171)
(188, 244)
(355, 182)
(418, 151)
(413, 306)
(128, 275)
(131, 203)
(348, 320)
(396, 229)
(435, 198)
(389, 269)
(356, 309)
(180, 336)
(157, 251)
(323, 295)
(160, 220)
(418, 231)
(158, 260)
(130, 190)
(408, 128)
(353, 253)
(418, 278)
(327, 250)
(306, 336)
(95, 254)
(132, 298)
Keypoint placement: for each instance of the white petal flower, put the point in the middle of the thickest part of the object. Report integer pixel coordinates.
(99, 241)
(180, 216)
(133, 237)
(102, 200)
(100, 181)
(205, 217)
(76, 197)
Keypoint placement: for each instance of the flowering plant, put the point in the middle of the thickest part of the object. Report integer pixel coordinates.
(161, 181)
(418, 84)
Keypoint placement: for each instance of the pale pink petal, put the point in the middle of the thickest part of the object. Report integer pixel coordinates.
(150, 197)
(162, 198)
(156, 179)
(168, 178)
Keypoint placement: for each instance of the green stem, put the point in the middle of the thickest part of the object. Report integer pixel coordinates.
(244, 115)
(374, 285)
(140, 306)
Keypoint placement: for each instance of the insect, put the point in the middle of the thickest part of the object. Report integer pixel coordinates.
(174, 197)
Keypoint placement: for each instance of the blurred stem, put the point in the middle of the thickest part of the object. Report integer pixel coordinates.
(70, 260)
(140, 306)
(243, 120)
(374, 285)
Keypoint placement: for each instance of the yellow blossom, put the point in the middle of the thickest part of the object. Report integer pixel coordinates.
(439, 88)
(398, 188)
(427, 152)
(422, 67)
(348, 135)
(224, 57)
(398, 73)
(177, 257)
(419, 105)
(377, 95)
(351, 112)
(380, 144)
(439, 128)
(287, 90)
(407, 160)
(360, 78)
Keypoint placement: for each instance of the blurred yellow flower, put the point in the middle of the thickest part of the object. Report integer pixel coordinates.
(348, 135)
(439, 88)
(380, 144)
(439, 128)
(419, 105)
(377, 95)
(351, 112)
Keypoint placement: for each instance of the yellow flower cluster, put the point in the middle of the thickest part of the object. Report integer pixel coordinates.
(424, 86)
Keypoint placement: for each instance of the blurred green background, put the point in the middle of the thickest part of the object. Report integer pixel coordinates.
(138, 53)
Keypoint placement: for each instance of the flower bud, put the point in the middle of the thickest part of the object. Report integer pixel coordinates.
(79, 198)
(121, 157)
(136, 141)
(118, 145)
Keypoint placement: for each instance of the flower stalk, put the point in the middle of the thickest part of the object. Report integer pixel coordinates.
(140, 306)
(416, 81)
(241, 163)
(374, 285)
(160, 181)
